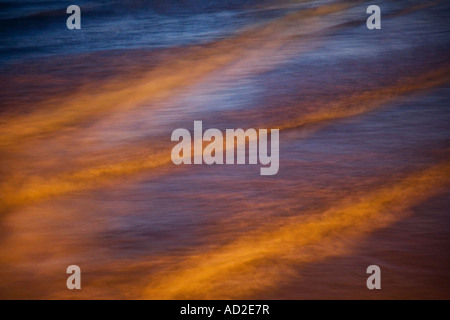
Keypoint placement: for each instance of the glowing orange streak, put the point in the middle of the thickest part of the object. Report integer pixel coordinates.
(158, 83)
(253, 259)
(366, 101)
(43, 187)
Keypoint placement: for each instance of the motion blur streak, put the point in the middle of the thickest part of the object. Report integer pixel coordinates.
(163, 80)
(86, 176)
(263, 258)
(363, 102)
(41, 187)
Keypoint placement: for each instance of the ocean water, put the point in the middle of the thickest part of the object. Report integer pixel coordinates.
(86, 176)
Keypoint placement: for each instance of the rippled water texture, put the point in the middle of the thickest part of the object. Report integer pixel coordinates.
(86, 176)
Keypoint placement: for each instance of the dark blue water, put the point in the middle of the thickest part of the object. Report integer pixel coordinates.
(34, 29)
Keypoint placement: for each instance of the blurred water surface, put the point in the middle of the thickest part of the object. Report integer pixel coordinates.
(86, 176)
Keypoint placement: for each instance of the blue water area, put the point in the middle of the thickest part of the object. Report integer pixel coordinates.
(30, 29)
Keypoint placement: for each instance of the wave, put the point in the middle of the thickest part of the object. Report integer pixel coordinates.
(262, 259)
(130, 91)
(29, 190)
(86, 175)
